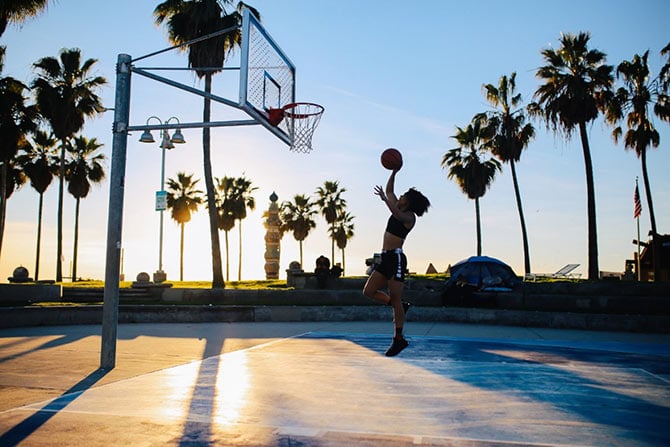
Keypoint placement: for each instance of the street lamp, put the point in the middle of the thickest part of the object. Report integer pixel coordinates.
(161, 196)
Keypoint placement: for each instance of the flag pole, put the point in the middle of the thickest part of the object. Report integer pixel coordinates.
(637, 218)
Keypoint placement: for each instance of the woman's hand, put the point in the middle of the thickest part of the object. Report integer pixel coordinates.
(380, 192)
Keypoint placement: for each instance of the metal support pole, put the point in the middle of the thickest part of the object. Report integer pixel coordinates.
(160, 243)
(110, 310)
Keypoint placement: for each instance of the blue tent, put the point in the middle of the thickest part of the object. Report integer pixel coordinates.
(483, 272)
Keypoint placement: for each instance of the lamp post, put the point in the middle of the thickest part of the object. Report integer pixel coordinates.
(161, 196)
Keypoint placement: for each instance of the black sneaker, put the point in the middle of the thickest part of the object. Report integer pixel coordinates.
(405, 306)
(399, 343)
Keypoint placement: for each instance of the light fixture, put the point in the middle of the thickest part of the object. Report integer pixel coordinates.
(166, 143)
(177, 137)
(147, 137)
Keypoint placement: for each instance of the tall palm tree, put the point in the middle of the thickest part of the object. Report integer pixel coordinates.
(65, 93)
(85, 167)
(331, 203)
(465, 164)
(298, 216)
(226, 215)
(40, 164)
(183, 198)
(344, 230)
(634, 100)
(577, 87)
(17, 119)
(242, 200)
(664, 75)
(511, 136)
(185, 21)
(18, 11)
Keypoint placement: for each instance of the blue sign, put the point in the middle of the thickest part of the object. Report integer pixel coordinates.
(161, 200)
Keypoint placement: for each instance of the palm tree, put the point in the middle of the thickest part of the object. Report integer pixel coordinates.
(465, 164)
(183, 199)
(298, 217)
(40, 164)
(634, 100)
(65, 95)
(331, 204)
(511, 136)
(664, 75)
(17, 119)
(577, 86)
(18, 11)
(344, 230)
(242, 200)
(226, 216)
(185, 21)
(84, 168)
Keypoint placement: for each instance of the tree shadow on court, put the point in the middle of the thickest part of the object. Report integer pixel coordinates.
(24, 429)
(564, 378)
(199, 420)
(63, 339)
(622, 392)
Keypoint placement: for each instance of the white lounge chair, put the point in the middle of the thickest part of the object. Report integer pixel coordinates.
(564, 272)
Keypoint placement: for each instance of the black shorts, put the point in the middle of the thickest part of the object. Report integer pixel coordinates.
(393, 265)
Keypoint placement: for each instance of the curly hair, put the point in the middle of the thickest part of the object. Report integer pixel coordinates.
(418, 203)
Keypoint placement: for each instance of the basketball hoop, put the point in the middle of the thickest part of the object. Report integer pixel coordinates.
(301, 121)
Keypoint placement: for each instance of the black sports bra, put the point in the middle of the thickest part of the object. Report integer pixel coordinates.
(396, 228)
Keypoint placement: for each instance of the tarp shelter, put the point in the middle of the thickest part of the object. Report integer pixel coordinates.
(483, 273)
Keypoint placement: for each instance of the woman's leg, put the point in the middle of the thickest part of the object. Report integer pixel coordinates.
(399, 343)
(395, 290)
(376, 281)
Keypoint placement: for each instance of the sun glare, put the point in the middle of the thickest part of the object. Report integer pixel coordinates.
(232, 388)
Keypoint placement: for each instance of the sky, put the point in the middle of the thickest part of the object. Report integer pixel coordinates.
(389, 74)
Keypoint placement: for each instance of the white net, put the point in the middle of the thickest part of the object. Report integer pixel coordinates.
(301, 119)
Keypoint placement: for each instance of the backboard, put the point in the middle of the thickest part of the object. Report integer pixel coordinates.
(267, 76)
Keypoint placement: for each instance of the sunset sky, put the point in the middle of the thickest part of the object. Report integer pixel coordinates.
(389, 74)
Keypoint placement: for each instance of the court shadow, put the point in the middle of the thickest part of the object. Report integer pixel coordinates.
(63, 338)
(24, 429)
(197, 429)
(577, 382)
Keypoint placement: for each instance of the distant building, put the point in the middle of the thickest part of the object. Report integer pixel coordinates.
(647, 259)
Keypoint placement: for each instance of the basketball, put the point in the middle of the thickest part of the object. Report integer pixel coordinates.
(391, 159)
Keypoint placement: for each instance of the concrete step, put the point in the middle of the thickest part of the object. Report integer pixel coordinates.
(95, 294)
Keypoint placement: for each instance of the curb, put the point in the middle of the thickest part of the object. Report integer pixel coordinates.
(29, 316)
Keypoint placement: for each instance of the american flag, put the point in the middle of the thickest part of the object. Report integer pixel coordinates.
(638, 204)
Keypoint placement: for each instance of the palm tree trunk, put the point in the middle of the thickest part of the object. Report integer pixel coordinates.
(591, 206)
(76, 240)
(3, 202)
(343, 263)
(39, 236)
(332, 245)
(59, 242)
(227, 259)
(181, 255)
(656, 249)
(479, 228)
(300, 244)
(217, 273)
(239, 255)
(524, 233)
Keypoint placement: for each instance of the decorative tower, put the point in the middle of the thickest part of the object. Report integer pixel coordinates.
(272, 239)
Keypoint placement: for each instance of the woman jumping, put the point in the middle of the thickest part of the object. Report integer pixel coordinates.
(390, 272)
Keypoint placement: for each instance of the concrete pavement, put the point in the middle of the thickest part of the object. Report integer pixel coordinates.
(329, 384)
